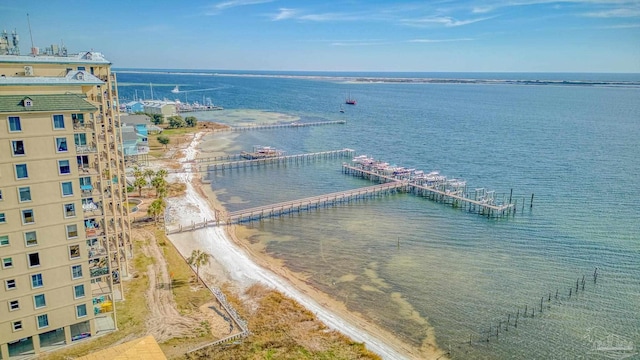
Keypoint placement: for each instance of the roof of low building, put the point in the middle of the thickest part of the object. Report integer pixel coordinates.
(135, 119)
(52, 102)
(87, 57)
(145, 348)
(77, 77)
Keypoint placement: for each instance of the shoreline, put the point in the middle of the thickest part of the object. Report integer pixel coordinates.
(236, 261)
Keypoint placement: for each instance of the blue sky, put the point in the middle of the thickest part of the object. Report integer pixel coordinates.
(347, 35)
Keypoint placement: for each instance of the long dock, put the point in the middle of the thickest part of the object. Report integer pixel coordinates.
(238, 164)
(438, 191)
(313, 202)
(280, 126)
(287, 207)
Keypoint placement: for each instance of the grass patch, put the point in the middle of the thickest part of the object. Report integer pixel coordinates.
(131, 313)
(182, 278)
(283, 329)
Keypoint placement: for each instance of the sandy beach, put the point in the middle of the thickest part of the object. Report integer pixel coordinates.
(238, 262)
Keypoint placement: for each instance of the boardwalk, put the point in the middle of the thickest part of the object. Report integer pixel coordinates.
(287, 207)
(299, 158)
(436, 192)
(280, 126)
(313, 202)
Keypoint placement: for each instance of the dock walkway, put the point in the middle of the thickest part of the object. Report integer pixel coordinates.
(287, 207)
(280, 126)
(237, 164)
(455, 199)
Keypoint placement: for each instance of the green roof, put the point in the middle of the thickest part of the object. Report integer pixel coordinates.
(57, 102)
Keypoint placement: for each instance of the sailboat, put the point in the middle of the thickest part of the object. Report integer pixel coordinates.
(341, 109)
(175, 90)
(350, 100)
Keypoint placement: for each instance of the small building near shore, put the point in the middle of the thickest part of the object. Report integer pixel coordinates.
(134, 107)
(164, 108)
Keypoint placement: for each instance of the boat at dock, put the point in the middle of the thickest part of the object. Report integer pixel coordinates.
(261, 152)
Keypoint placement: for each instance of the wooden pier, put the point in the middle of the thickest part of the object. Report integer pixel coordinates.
(456, 199)
(295, 206)
(314, 202)
(280, 126)
(299, 158)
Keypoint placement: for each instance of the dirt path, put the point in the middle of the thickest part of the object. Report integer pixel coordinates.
(164, 322)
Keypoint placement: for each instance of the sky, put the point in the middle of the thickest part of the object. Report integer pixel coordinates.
(346, 35)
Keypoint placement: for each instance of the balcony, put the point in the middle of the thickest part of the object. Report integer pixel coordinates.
(92, 209)
(86, 149)
(96, 248)
(90, 190)
(82, 126)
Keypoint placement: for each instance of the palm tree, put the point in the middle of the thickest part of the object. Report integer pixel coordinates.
(160, 184)
(149, 173)
(198, 258)
(162, 173)
(156, 208)
(140, 182)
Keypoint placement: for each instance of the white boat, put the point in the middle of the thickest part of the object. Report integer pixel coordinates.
(175, 90)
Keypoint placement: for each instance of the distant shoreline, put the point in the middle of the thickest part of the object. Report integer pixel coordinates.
(395, 79)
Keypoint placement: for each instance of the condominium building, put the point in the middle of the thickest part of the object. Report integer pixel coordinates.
(65, 238)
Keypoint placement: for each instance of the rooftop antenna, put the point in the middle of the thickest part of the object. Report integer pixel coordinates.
(33, 49)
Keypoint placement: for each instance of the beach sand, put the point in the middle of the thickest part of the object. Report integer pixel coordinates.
(238, 261)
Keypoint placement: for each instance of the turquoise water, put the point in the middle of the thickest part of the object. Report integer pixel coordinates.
(574, 147)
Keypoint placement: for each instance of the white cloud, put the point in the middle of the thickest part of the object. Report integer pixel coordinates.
(219, 7)
(614, 13)
(438, 40)
(442, 20)
(284, 14)
(358, 42)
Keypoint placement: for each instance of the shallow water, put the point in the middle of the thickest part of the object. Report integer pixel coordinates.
(406, 262)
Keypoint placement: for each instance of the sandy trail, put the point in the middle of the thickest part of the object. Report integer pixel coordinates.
(239, 267)
(164, 321)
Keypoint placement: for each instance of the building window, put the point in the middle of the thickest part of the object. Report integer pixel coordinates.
(17, 146)
(27, 217)
(0, 195)
(36, 281)
(10, 284)
(3, 219)
(4, 240)
(80, 139)
(69, 210)
(61, 144)
(14, 124)
(30, 238)
(39, 301)
(81, 310)
(7, 263)
(72, 231)
(16, 325)
(63, 167)
(34, 259)
(24, 193)
(67, 188)
(78, 291)
(74, 251)
(76, 271)
(14, 305)
(21, 171)
(58, 122)
(43, 321)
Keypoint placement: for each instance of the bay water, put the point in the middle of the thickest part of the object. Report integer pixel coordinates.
(416, 267)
